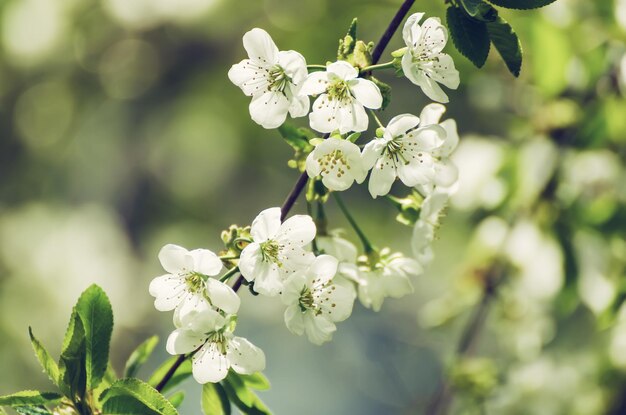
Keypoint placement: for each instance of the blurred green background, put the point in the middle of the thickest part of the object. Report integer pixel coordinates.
(120, 132)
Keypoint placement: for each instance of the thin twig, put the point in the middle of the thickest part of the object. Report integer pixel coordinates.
(170, 372)
(444, 395)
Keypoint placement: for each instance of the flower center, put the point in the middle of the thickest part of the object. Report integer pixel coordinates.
(312, 298)
(338, 90)
(219, 340)
(335, 160)
(394, 150)
(277, 79)
(195, 282)
(269, 251)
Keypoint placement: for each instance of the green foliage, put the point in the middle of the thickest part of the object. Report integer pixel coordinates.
(176, 399)
(72, 372)
(409, 207)
(139, 356)
(94, 310)
(522, 4)
(507, 43)
(30, 397)
(469, 35)
(385, 91)
(215, 400)
(32, 410)
(479, 10)
(126, 396)
(239, 393)
(49, 366)
(298, 138)
(182, 373)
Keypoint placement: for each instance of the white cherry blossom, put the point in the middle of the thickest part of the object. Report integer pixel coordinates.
(388, 277)
(342, 98)
(404, 152)
(346, 253)
(272, 78)
(423, 63)
(188, 284)
(315, 302)
(277, 250)
(425, 227)
(338, 162)
(446, 172)
(210, 336)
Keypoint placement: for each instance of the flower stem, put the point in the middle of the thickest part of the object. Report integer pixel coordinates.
(229, 274)
(309, 210)
(380, 124)
(313, 68)
(171, 371)
(367, 246)
(378, 66)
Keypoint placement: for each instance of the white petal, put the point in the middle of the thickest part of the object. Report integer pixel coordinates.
(294, 65)
(416, 173)
(410, 69)
(366, 92)
(209, 365)
(248, 76)
(342, 70)
(433, 36)
(432, 90)
(245, 357)
(443, 71)
(382, 177)
(206, 262)
(168, 291)
(260, 47)
(446, 173)
(249, 260)
(294, 319)
(431, 114)
(324, 114)
(451, 140)
(196, 314)
(318, 329)
(315, 84)
(266, 225)
(313, 167)
(352, 117)
(340, 248)
(398, 286)
(299, 106)
(372, 291)
(292, 288)
(339, 304)
(269, 109)
(411, 29)
(222, 296)
(182, 341)
(294, 260)
(372, 152)
(175, 259)
(402, 123)
(323, 268)
(428, 139)
(268, 280)
(337, 183)
(298, 230)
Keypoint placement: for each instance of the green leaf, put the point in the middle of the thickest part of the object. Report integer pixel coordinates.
(94, 309)
(214, 400)
(507, 44)
(256, 381)
(385, 91)
(139, 391)
(50, 367)
(242, 397)
(299, 140)
(470, 36)
(30, 397)
(479, 10)
(176, 398)
(183, 372)
(127, 405)
(72, 373)
(140, 355)
(32, 410)
(521, 4)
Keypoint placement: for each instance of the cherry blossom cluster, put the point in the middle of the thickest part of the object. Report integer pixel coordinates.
(316, 273)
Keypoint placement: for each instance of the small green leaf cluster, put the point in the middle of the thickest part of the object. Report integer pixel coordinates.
(475, 25)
